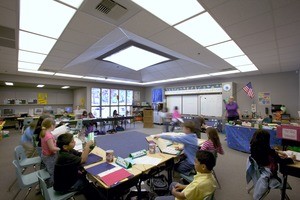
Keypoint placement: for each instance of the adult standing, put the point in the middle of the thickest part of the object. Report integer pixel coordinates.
(232, 110)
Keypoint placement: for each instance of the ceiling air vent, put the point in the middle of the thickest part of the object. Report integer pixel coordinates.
(111, 9)
(7, 37)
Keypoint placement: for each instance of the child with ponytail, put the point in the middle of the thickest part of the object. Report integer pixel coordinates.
(49, 148)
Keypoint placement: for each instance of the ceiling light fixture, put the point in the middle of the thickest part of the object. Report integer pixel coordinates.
(65, 87)
(68, 75)
(224, 73)
(40, 86)
(9, 83)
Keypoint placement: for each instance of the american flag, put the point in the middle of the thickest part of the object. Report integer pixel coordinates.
(249, 90)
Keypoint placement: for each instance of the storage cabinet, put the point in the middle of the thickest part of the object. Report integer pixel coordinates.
(148, 118)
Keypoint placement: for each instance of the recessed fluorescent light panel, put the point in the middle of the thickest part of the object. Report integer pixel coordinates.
(247, 68)
(135, 56)
(73, 3)
(28, 66)
(224, 73)
(197, 76)
(226, 49)
(203, 29)
(171, 11)
(46, 17)
(35, 43)
(239, 60)
(35, 71)
(68, 75)
(40, 86)
(9, 83)
(65, 87)
(26, 56)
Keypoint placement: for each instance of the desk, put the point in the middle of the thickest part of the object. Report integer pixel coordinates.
(123, 144)
(239, 137)
(292, 170)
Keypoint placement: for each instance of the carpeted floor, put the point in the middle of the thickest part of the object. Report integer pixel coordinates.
(230, 170)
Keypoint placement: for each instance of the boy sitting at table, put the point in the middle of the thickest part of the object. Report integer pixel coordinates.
(190, 142)
(203, 184)
(68, 172)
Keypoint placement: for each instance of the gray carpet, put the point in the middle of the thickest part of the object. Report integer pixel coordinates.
(230, 171)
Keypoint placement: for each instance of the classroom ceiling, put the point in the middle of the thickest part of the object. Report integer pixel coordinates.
(267, 31)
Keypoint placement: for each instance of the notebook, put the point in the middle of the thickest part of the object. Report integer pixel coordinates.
(115, 177)
(92, 158)
(164, 148)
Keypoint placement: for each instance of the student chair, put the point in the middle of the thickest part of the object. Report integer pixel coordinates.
(23, 161)
(27, 180)
(78, 127)
(261, 176)
(26, 123)
(50, 193)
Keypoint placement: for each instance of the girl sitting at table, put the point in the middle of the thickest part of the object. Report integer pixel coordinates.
(190, 142)
(267, 160)
(213, 143)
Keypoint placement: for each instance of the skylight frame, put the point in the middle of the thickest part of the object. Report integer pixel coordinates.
(32, 57)
(239, 61)
(35, 71)
(124, 46)
(247, 68)
(226, 49)
(28, 66)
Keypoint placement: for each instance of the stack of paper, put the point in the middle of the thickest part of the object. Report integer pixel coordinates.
(291, 154)
(108, 173)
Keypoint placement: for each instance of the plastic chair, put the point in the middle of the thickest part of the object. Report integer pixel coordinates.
(27, 180)
(50, 193)
(23, 161)
(26, 123)
(77, 128)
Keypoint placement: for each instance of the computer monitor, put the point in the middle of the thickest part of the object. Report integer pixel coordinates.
(69, 109)
(8, 112)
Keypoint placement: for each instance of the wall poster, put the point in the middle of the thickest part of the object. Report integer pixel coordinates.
(264, 98)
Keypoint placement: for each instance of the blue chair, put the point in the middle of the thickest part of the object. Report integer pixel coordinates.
(27, 180)
(78, 127)
(50, 193)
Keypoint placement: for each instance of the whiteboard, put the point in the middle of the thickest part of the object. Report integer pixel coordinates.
(190, 104)
(211, 105)
(173, 101)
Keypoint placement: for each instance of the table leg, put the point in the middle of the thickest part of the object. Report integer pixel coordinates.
(283, 190)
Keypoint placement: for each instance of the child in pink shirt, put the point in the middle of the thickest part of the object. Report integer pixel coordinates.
(49, 148)
(213, 143)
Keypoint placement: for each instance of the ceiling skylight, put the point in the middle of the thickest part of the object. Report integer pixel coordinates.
(203, 29)
(239, 60)
(26, 56)
(28, 66)
(247, 68)
(171, 11)
(46, 17)
(226, 49)
(135, 58)
(35, 43)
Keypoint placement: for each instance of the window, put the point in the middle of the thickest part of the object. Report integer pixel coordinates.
(104, 101)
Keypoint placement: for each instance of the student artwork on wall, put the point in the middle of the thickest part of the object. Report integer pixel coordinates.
(136, 96)
(157, 95)
(42, 98)
(264, 98)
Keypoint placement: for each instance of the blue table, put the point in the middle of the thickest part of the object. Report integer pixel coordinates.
(239, 137)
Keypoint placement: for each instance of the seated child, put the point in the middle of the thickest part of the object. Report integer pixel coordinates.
(213, 143)
(203, 184)
(68, 172)
(27, 139)
(190, 142)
